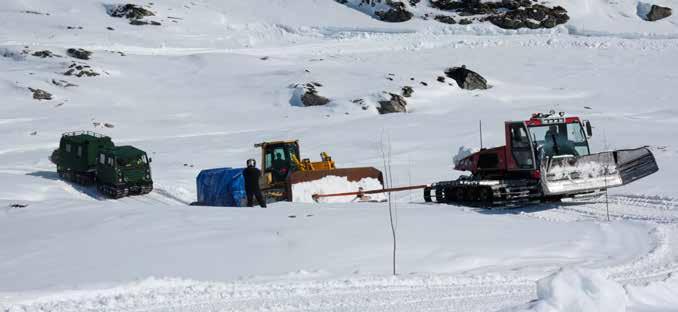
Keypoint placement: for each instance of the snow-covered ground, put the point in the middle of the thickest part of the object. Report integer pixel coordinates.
(218, 76)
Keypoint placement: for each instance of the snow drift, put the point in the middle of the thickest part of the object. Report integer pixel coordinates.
(577, 290)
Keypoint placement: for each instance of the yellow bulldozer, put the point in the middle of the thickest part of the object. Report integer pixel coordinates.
(282, 167)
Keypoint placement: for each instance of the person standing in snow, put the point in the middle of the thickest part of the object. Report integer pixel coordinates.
(251, 175)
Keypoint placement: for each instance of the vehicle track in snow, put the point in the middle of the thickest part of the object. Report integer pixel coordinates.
(406, 293)
(661, 212)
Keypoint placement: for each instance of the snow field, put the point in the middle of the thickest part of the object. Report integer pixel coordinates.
(198, 91)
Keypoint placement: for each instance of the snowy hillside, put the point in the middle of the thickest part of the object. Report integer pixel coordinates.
(216, 77)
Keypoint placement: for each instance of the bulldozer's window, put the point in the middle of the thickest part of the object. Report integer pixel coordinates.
(277, 161)
(520, 146)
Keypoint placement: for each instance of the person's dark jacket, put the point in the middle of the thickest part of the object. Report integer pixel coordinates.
(251, 175)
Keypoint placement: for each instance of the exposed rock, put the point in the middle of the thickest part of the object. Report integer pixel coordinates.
(534, 16)
(44, 54)
(445, 19)
(658, 12)
(441, 79)
(140, 23)
(507, 14)
(307, 95)
(80, 70)
(466, 78)
(398, 13)
(396, 104)
(129, 11)
(79, 53)
(63, 83)
(40, 94)
(109, 125)
(407, 91)
(423, 83)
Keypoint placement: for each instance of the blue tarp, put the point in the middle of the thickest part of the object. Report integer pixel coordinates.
(221, 187)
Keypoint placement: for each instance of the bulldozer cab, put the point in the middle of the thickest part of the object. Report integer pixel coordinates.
(277, 159)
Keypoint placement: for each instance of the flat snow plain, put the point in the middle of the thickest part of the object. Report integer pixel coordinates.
(199, 92)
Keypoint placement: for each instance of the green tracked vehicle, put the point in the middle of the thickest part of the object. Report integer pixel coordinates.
(89, 158)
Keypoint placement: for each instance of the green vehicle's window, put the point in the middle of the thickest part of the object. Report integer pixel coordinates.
(110, 161)
(102, 159)
(68, 148)
(79, 151)
(133, 162)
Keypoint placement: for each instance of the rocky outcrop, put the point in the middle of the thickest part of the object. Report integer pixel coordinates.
(396, 104)
(407, 91)
(507, 14)
(445, 19)
(391, 11)
(397, 14)
(307, 95)
(134, 13)
(658, 12)
(129, 11)
(80, 70)
(44, 54)
(466, 78)
(40, 94)
(81, 54)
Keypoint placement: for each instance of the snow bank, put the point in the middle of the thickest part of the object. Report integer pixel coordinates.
(303, 192)
(576, 290)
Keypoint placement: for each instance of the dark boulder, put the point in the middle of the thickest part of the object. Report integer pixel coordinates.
(658, 12)
(129, 11)
(408, 91)
(307, 95)
(40, 94)
(43, 54)
(79, 53)
(466, 78)
(397, 14)
(396, 104)
(445, 19)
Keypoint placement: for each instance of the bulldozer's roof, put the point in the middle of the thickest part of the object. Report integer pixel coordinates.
(262, 144)
(125, 151)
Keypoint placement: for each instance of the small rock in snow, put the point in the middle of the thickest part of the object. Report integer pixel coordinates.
(466, 78)
(40, 94)
(79, 53)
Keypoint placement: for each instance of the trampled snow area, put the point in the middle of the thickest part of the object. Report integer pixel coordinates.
(219, 76)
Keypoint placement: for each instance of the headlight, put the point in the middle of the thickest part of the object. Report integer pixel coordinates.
(148, 177)
(119, 180)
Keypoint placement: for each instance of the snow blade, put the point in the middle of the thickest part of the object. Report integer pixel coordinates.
(635, 164)
(570, 175)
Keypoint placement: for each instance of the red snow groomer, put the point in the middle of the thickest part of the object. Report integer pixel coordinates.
(545, 158)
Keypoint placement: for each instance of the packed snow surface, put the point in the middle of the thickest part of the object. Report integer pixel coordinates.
(217, 77)
(303, 192)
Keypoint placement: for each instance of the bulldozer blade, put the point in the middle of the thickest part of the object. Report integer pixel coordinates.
(571, 175)
(352, 174)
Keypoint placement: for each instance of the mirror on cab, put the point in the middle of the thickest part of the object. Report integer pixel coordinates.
(589, 128)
